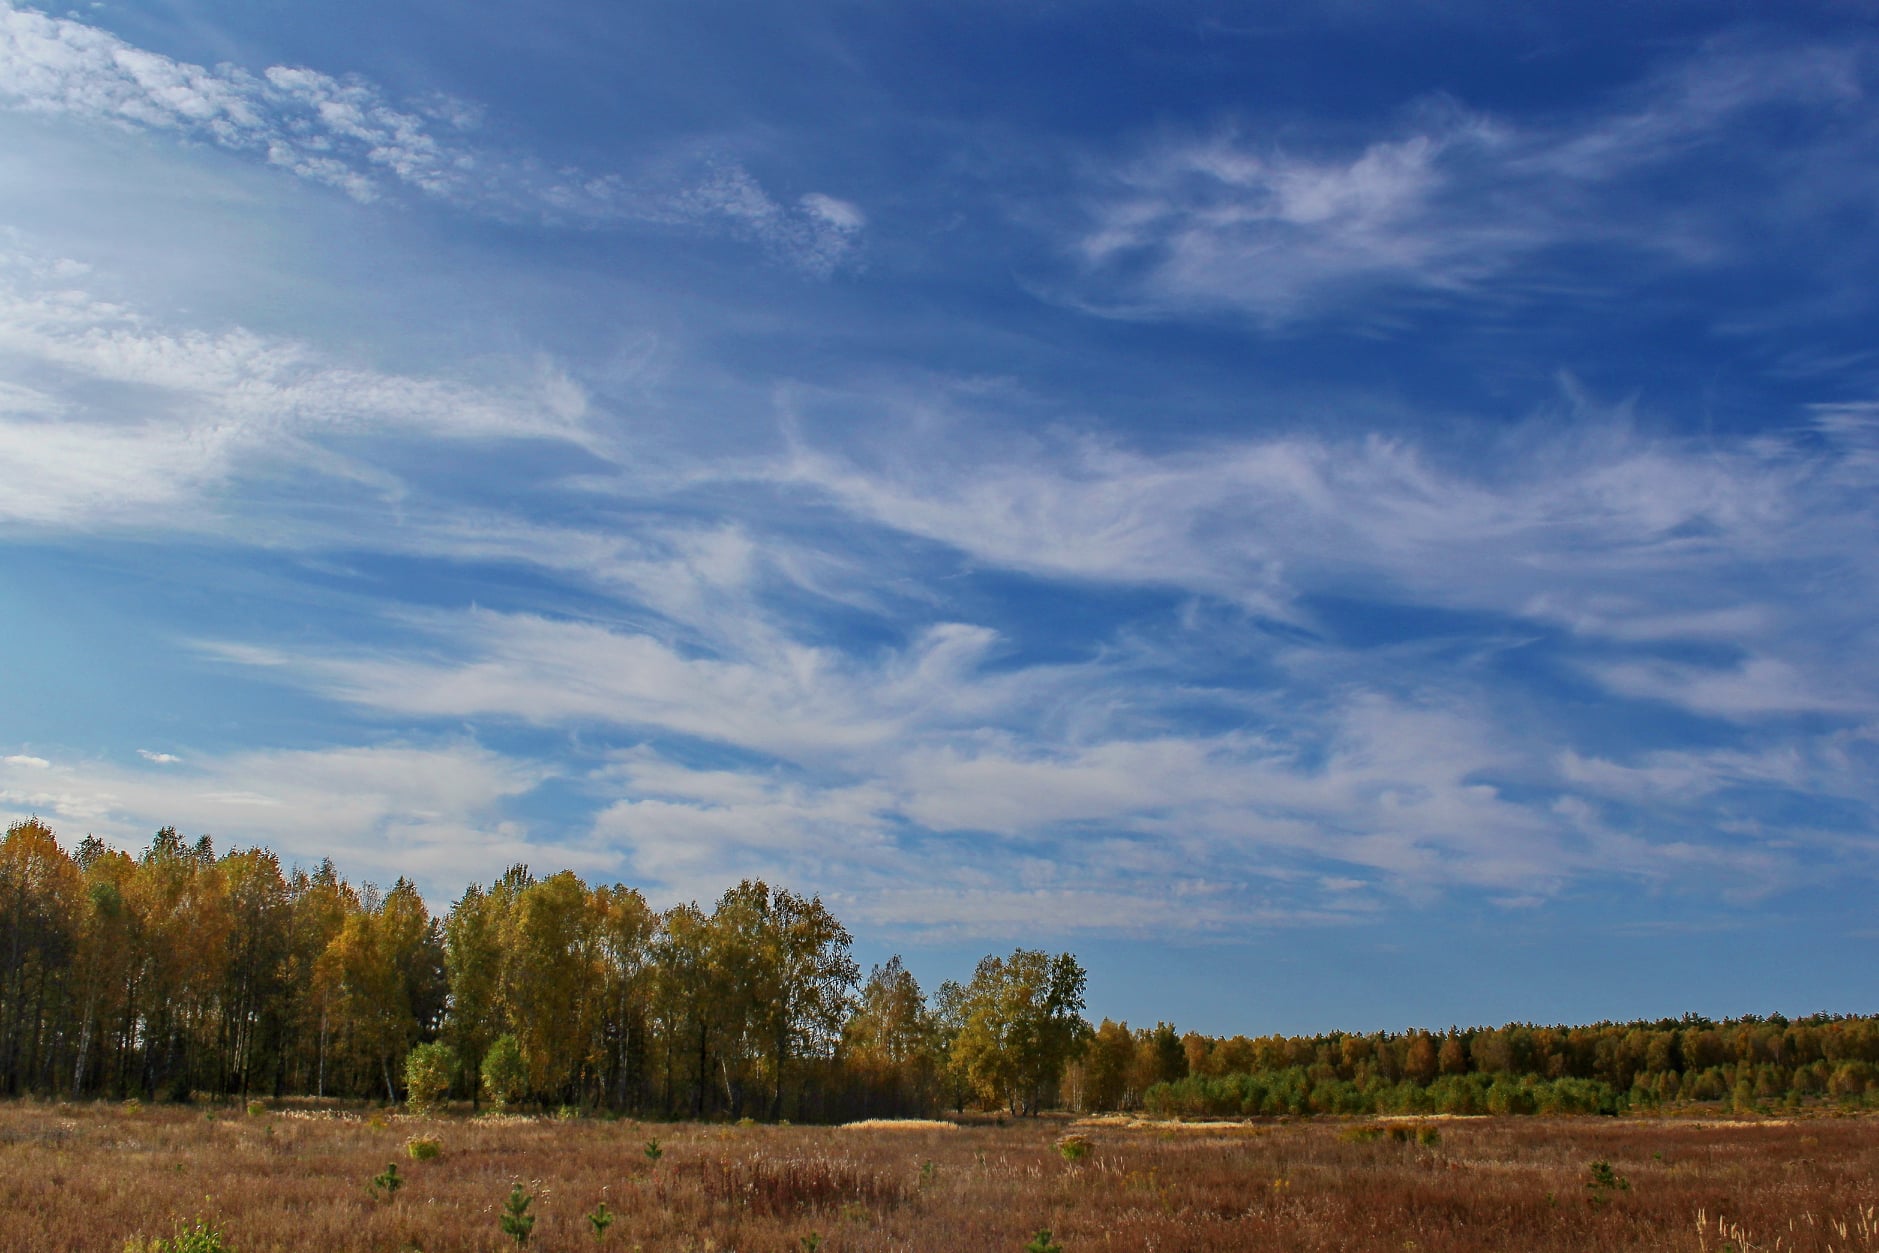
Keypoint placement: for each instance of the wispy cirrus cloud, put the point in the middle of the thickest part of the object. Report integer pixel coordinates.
(436, 812)
(885, 771)
(1458, 202)
(124, 419)
(345, 133)
(776, 695)
(1606, 530)
(914, 753)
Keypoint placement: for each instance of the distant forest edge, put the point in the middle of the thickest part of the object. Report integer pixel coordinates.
(178, 972)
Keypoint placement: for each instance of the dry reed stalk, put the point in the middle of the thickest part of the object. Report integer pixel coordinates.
(85, 1179)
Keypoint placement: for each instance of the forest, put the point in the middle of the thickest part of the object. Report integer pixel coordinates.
(181, 972)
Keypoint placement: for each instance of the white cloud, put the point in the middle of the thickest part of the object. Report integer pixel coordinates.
(1451, 202)
(344, 133)
(321, 128)
(1414, 792)
(1615, 534)
(818, 235)
(1231, 830)
(435, 813)
(27, 762)
(1756, 687)
(190, 412)
(161, 759)
(1214, 224)
(780, 697)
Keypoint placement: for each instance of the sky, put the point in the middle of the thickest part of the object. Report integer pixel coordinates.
(1343, 515)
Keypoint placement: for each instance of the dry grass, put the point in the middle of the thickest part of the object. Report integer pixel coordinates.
(87, 1178)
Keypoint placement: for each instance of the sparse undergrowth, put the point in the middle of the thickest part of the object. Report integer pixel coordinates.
(97, 1180)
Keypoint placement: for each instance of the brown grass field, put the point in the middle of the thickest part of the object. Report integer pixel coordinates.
(92, 1177)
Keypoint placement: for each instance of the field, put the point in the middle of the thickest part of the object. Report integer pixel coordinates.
(92, 1177)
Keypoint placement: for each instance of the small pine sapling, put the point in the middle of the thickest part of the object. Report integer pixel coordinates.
(653, 1151)
(1042, 1243)
(517, 1222)
(387, 1181)
(1603, 1176)
(600, 1220)
(1603, 1183)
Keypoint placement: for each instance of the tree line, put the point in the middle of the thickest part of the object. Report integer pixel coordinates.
(1747, 1064)
(179, 971)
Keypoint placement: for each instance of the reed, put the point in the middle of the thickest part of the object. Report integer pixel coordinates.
(91, 1179)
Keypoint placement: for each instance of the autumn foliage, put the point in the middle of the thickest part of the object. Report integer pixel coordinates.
(180, 972)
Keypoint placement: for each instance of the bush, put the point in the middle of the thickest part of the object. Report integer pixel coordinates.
(201, 1238)
(428, 1071)
(1073, 1148)
(422, 1148)
(505, 1074)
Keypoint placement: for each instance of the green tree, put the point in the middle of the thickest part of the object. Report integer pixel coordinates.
(1021, 1022)
(890, 1042)
(1108, 1063)
(811, 978)
(473, 965)
(430, 1069)
(505, 1074)
(625, 927)
(551, 969)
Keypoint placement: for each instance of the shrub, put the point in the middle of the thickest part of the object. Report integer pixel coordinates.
(505, 1074)
(1074, 1148)
(201, 1238)
(422, 1148)
(428, 1070)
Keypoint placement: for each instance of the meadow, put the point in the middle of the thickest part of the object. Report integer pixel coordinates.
(99, 1177)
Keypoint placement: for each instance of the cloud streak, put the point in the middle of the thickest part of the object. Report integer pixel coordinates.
(346, 134)
(187, 412)
(434, 812)
(1464, 204)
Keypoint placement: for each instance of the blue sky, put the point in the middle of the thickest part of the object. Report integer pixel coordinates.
(1344, 515)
